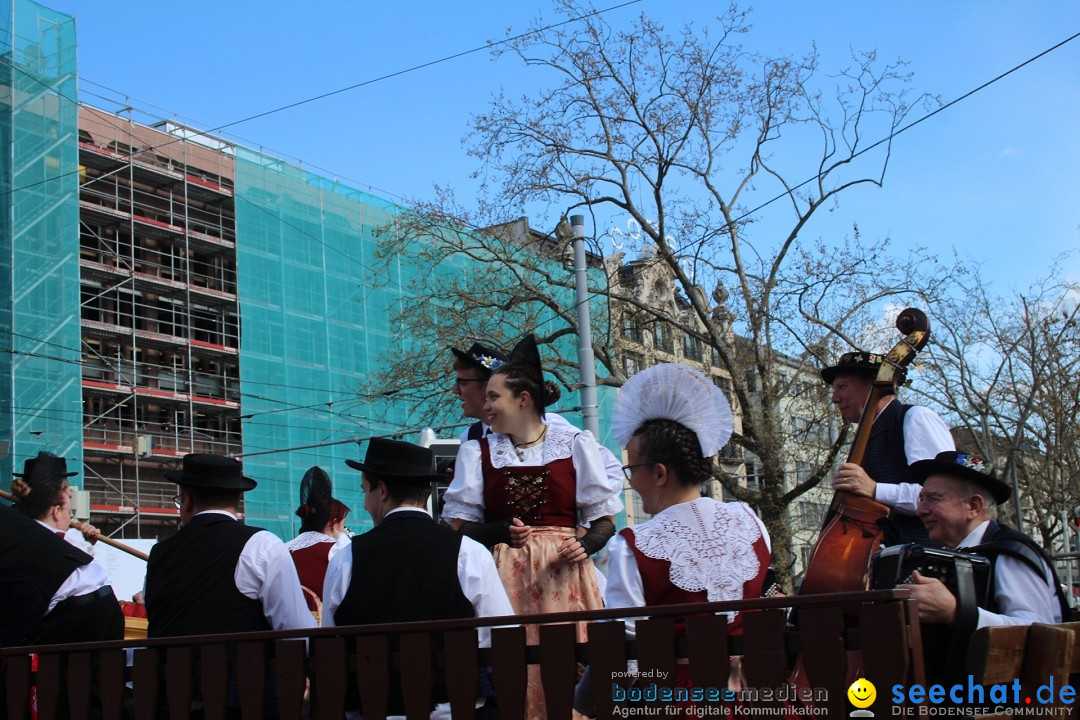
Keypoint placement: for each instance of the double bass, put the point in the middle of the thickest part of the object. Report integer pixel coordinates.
(840, 559)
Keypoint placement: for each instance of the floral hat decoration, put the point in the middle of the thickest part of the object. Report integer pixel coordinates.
(482, 357)
(964, 466)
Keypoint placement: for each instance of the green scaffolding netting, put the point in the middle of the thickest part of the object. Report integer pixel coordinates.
(315, 325)
(41, 407)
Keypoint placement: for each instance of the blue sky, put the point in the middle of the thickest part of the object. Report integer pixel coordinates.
(995, 178)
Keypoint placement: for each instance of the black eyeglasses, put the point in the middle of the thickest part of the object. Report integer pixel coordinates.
(627, 470)
(458, 382)
(176, 500)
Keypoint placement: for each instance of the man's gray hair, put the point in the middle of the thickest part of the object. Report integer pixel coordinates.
(990, 510)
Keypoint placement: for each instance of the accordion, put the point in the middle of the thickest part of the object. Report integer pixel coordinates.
(894, 566)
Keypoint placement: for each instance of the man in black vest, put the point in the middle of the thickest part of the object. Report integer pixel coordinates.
(51, 592)
(217, 575)
(408, 567)
(958, 505)
(901, 435)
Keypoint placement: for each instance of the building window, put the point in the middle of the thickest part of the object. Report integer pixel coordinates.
(631, 328)
(693, 348)
(753, 479)
(632, 364)
(811, 514)
(664, 338)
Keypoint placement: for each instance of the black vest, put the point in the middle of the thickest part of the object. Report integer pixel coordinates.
(886, 462)
(1002, 540)
(476, 431)
(405, 570)
(191, 585)
(34, 563)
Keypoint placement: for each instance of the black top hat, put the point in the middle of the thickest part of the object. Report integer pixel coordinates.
(487, 359)
(397, 460)
(45, 464)
(858, 363)
(965, 467)
(211, 471)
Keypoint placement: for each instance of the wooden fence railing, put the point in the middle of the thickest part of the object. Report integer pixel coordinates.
(250, 675)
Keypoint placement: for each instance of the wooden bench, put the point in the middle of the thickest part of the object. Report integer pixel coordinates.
(336, 662)
(1036, 655)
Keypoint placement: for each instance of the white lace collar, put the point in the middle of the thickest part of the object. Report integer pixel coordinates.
(709, 545)
(307, 539)
(558, 444)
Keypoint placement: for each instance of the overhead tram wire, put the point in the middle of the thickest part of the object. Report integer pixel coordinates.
(313, 99)
(892, 135)
(744, 216)
(246, 381)
(323, 96)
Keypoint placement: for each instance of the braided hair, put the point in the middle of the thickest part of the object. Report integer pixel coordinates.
(676, 446)
(520, 378)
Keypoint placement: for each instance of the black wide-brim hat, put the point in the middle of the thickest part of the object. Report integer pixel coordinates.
(857, 363)
(480, 356)
(398, 460)
(44, 465)
(211, 471)
(963, 466)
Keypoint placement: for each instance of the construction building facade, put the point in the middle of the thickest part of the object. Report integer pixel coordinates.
(164, 291)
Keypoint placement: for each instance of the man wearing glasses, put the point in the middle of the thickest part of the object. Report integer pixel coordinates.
(473, 368)
(60, 593)
(958, 504)
(218, 575)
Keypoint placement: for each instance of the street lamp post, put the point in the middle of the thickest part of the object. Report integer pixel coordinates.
(1020, 447)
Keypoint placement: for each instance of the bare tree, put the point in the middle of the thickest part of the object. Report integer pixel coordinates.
(1005, 369)
(678, 133)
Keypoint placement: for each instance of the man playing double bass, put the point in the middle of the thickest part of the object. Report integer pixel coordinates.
(901, 435)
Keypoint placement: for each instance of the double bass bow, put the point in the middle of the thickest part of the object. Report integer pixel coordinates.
(840, 559)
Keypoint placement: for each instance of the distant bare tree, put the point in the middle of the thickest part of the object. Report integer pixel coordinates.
(677, 132)
(1006, 370)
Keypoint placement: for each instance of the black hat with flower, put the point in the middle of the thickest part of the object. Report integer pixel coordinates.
(486, 359)
(963, 466)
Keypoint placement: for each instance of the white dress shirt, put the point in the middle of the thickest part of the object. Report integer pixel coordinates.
(85, 579)
(1022, 595)
(925, 435)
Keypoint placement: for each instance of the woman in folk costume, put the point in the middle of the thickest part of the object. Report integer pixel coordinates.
(673, 421)
(322, 533)
(524, 489)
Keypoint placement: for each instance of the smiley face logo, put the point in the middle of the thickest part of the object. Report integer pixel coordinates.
(862, 693)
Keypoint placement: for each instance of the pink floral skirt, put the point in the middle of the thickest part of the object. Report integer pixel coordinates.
(539, 581)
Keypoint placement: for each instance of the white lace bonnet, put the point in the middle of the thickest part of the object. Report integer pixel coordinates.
(673, 391)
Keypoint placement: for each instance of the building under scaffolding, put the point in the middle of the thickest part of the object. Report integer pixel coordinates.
(167, 292)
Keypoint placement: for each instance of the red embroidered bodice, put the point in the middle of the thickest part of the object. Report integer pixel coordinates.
(541, 495)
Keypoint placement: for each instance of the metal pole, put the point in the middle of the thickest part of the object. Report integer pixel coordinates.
(1066, 530)
(586, 363)
(1016, 493)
